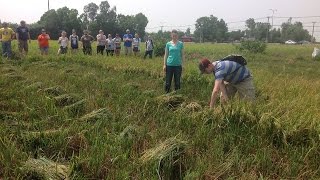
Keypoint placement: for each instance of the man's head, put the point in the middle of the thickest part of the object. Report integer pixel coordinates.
(23, 23)
(5, 24)
(43, 31)
(206, 67)
(127, 31)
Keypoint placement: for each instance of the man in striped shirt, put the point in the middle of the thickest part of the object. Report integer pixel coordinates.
(230, 77)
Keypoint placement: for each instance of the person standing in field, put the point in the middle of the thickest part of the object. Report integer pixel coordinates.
(136, 44)
(149, 48)
(23, 35)
(230, 77)
(172, 61)
(127, 38)
(101, 42)
(110, 45)
(63, 42)
(43, 41)
(117, 44)
(6, 36)
(86, 40)
(74, 41)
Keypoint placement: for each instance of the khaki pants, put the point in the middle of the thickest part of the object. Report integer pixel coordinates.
(245, 89)
(127, 50)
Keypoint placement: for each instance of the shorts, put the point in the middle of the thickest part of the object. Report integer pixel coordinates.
(244, 88)
(118, 47)
(63, 50)
(44, 49)
(136, 49)
(74, 46)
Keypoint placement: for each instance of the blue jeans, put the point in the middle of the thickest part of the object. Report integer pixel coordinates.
(173, 71)
(6, 48)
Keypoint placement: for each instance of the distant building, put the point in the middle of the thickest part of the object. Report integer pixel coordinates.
(187, 38)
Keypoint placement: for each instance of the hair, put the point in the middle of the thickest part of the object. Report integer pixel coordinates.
(174, 31)
(203, 64)
(22, 22)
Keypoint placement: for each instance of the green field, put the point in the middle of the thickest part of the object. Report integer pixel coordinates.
(99, 117)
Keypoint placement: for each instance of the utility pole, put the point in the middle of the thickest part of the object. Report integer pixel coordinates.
(273, 10)
(48, 5)
(267, 37)
(312, 39)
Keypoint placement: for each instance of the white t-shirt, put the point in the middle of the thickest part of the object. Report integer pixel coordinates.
(63, 41)
(110, 44)
(136, 42)
(101, 40)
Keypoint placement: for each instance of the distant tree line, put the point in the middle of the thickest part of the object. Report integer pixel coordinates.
(210, 29)
(93, 18)
(207, 29)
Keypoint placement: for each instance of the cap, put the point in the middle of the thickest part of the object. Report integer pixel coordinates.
(203, 64)
(127, 30)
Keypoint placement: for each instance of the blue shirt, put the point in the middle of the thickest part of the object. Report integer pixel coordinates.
(174, 53)
(230, 71)
(126, 42)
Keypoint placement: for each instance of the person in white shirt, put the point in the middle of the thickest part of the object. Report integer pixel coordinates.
(63, 42)
(149, 48)
(101, 42)
(110, 45)
(136, 44)
(117, 44)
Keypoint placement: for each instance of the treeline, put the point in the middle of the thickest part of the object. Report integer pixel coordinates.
(211, 29)
(207, 29)
(94, 18)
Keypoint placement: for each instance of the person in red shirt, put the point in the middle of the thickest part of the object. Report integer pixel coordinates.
(43, 41)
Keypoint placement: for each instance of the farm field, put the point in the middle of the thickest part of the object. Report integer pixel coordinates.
(99, 117)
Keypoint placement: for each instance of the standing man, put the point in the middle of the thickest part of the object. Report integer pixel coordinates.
(6, 36)
(86, 40)
(23, 35)
(127, 38)
(230, 77)
(43, 42)
(149, 48)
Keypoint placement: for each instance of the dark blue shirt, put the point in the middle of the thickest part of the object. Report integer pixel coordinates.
(23, 33)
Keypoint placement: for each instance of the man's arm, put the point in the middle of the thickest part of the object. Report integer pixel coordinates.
(215, 92)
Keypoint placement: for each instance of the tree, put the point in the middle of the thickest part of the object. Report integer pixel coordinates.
(210, 29)
(50, 21)
(251, 25)
(107, 18)
(294, 32)
(235, 35)
(89, 14)
(188, 32)
(141, 22)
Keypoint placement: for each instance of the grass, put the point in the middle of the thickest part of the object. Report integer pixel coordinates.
(102, 115)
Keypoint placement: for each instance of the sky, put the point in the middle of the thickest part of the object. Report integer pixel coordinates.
(180, 14)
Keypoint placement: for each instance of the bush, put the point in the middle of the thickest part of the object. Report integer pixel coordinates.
(159, 47)
(252, 46)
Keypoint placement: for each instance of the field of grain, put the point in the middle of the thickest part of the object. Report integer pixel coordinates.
(99, 117)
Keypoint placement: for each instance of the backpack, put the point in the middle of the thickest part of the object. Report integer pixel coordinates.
(236, 58)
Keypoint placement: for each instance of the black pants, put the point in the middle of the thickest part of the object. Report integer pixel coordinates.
(148, 53)
(109, 51)
(100, 49)
(173, 71)
(87, 50)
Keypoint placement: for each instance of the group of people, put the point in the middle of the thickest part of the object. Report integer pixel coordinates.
(230, 76)
(104, 43)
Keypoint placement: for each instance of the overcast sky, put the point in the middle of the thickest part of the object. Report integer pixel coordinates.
(179, 14)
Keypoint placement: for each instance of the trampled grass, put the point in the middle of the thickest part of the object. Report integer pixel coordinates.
(101, 115)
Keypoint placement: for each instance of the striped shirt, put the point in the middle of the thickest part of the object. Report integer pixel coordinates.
(230, 71)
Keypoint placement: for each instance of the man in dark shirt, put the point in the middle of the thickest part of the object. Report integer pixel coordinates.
(23, 35)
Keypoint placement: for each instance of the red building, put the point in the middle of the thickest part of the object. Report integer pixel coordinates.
(187, 39)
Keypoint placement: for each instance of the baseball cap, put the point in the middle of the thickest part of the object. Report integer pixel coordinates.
(203, 64)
